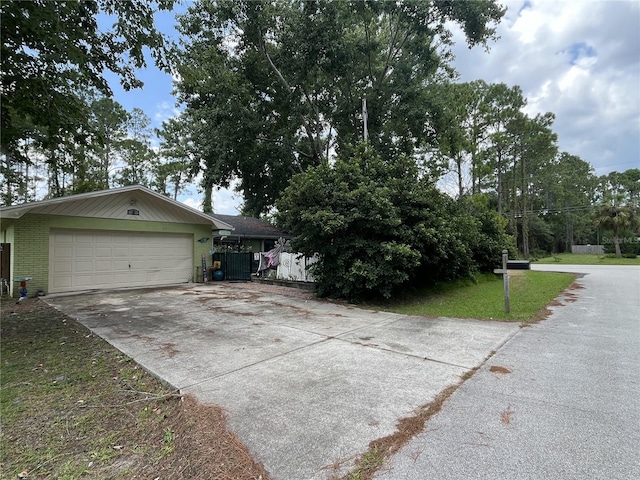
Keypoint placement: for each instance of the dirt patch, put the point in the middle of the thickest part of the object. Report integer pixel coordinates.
(570, 297)
(540, 315)
(546, 312)
(170, 349)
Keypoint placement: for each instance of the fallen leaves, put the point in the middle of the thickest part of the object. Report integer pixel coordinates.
(499, 369)
(505, 416)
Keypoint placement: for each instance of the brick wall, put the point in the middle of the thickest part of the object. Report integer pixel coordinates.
(30, 252)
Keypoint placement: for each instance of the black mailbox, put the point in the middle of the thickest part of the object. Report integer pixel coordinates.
(518, 265)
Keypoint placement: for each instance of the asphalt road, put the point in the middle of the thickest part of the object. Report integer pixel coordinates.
(568, 409)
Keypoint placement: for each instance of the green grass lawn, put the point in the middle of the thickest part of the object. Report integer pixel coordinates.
(571, 259)
(530, 293)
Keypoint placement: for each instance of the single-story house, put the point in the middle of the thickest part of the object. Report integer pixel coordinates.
(122, 237)
(250, 234)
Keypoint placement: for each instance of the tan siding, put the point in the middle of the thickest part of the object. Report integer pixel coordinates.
(150, 208)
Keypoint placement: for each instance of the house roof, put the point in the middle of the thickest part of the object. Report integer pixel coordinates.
(251, 227)
(114, 199)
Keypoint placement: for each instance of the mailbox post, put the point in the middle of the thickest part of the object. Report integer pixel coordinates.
(505, 277)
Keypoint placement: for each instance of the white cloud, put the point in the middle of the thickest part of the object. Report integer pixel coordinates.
(164, 111)
(225, 200)
(577, 59)
(191, 201)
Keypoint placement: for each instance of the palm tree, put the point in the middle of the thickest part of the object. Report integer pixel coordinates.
(615, 219)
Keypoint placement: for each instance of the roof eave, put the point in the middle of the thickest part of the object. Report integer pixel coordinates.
(18, 211)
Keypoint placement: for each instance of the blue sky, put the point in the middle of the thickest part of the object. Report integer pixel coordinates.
(579, 59)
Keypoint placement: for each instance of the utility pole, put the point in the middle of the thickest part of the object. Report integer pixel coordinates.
(365, 118)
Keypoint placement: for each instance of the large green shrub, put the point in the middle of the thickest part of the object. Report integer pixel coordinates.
(378, 225)
(487, 238)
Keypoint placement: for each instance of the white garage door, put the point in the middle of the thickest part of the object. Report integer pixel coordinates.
(85, 260)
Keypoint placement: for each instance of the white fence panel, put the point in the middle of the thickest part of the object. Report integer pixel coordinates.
(587, 249)
(294, 266)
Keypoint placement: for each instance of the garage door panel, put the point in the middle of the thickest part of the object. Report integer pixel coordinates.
(63, 251)
(103, 251)
(103, 266)
(80, 239)
(62, 267)
(139, 261)
(120, 251)
(83, 251)
(85, 260)
(64, 237)
(84, 266)
(138, 279)
(82, 279)
(123, 279)
(120, 265)
(138, 251)
(61, 284)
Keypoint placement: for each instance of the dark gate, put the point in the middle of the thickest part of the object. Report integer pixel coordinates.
(234, 266)
(5, 266)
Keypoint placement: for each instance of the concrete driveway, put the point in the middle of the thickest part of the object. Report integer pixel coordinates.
(307, 383)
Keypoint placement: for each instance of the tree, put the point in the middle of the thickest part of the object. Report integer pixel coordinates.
(503, 111)
(564, 196)
(621, 188)
(533, 149)
(378, 224)
(630, 183)
(137, 156)
(108, 122)
(617, 219)
(174, 159)
(51, 52)
(14, 168)
(462, 121)
(276, 87)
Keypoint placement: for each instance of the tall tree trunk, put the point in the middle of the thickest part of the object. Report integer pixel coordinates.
(207, 205)
(9, 176)
(475, 188)
(54, 179)
(525, 229)
(105, 164)
(616, 242)
(568, 224)
(525, 218)
(500, 186)
(459, 173)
